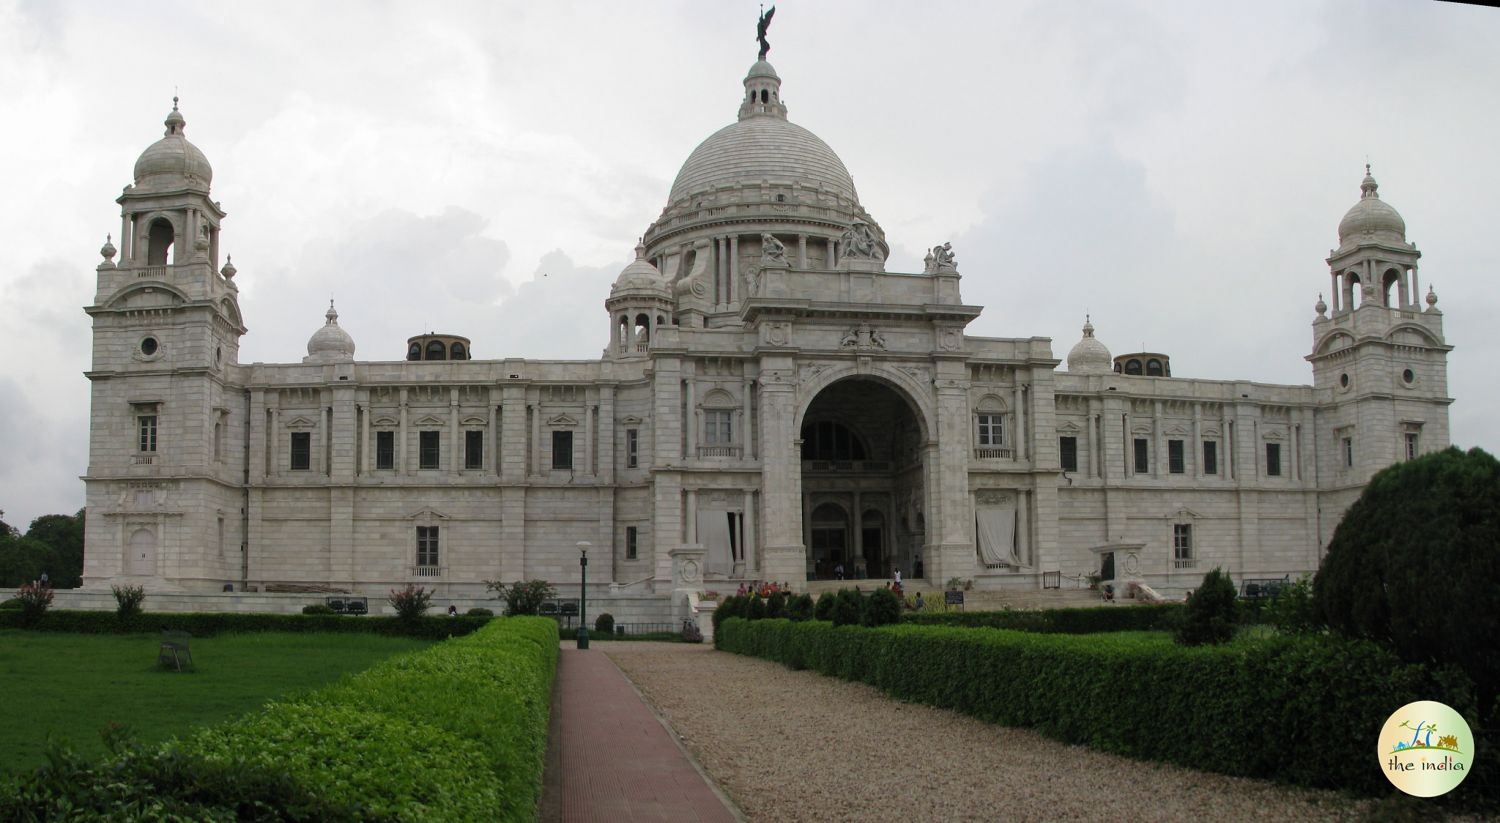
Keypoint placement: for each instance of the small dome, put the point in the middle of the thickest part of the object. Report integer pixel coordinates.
(640, 275)
(1089, 356)
(1371, 218)
(172, 161)
(330, 344)
(762, 69)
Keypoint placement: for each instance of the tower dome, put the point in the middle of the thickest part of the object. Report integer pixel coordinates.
(172, 162)
(640, 276)
(1371, 219)
(1088, 355)
(330, 344)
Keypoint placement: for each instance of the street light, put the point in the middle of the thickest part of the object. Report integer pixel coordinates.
(583, 594)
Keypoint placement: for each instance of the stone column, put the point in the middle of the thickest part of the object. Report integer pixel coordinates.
(364, 439)
(801, 251)
(750, 552)
(608, 433)
(274, 438)
(949, 503)
(537, 461)
(734, 269)
(513, 436)
(781, 472)
(747, 437)
(456, 460)
(492, 441)
(691, 419)
(690, 517)
(401, 437)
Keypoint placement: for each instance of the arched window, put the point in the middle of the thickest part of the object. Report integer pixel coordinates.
(622, 333)
(1132, 366)
(1353, 294)
(458, 353)
(827, 440)
(159, 242)
(765, 96)
(1392, 278)
(415, 352)
(1153, 368)
(642, 330)
(437, 351)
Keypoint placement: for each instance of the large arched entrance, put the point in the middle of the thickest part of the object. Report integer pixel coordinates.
(863, 477)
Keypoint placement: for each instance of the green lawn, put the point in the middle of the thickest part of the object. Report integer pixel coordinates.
(69, 686)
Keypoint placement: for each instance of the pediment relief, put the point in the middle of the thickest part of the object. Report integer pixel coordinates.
(990, 403)
(1069, 428)
(1142, 429)
(631, 420)
(385, 421)
(562, 421)
(718, 399)
(1178, 431)
(1274, 435)
(430, 420)
(474, 420)
(300, 422)
(426, 514)
(1183, 514)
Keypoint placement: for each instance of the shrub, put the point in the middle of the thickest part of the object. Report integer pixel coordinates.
(604, 623)
(848, 608)
(1210, 615)
(733, 606)
(10, 605)
(318, 608)
(410, 601)
(881, 608)
(128, 600)
(691, 633)
(1152, 617)
(776, 604)
(522, 596)
(1413, 564)
(823, 610)
(755, 609)
(35, 600)
(479, 611)
(1292, 610)
(1242, 709)
(800, 607)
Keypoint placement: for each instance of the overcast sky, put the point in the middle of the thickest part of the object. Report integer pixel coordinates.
(1178, 169)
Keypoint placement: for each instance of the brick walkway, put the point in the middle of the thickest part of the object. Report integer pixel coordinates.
(610, 759)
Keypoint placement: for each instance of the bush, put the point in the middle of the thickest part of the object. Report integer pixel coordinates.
(881, 608)
(776, 604)
(1210, 616)
(410, 601)
(10, 605)
(210, 624)
(318, 608)
(1152, 617)
(35, 600)
(1413, 565)
(1226, 708)
(848, 608)
(823, 610)
(604, 623)
(733, 606)
(128, 600)
(1292, 610)
(755, 608)
(479, 611)
(523, 596)
(800, 607)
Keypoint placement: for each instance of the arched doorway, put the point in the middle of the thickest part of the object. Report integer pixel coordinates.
(141, 554)
(863, 481)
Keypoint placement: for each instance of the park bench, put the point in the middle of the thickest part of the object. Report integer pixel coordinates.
(174, 649)
(356, 606)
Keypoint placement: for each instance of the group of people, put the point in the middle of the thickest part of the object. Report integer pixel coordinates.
(763, 588)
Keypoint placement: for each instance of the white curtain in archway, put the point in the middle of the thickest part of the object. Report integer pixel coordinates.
(996, 526)
(713, 533)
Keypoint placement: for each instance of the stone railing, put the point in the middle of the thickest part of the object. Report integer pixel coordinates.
(994, 453)
(718, 451)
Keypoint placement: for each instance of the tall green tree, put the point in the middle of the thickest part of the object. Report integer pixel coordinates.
(1415, 564)
(64, 534)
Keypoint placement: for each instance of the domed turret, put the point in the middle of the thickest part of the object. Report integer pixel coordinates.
(330, 344)
(1089, 356)
(640, 276)
(172, 162)
(1371, 219)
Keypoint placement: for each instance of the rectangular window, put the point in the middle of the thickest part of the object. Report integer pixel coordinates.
(716, 428)
(474, 449)
(632, 448)
(1067, 448)
(1412, 444)
(1273, 459)
(146, 425)
(427, 545)
(1142, 453)
(385, 450)
(428, 449)
(218, 441)
(562, 450)
(991, 429)
(1176, 463)
(301, 451)
(1182, 545)
(1210, 457)
(631, 536)
(1348, 452)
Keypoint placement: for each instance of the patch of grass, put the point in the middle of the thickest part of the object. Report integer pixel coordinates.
(70, 686)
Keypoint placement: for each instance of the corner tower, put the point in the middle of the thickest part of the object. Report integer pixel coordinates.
(166, 454)
(1379, 359)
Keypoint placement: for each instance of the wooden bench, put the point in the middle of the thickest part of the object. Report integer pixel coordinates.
(356, 606)
(174, 649)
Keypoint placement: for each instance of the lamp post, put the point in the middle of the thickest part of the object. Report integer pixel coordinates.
(583, 594)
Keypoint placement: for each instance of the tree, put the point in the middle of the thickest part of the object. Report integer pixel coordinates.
(64, 534)
(22, 560)
(1415, 563)
(1210, 613)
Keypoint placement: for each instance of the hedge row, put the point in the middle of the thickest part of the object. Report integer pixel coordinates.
(454, 732)
(208, 624)
(1153, 617)
(1298, 709)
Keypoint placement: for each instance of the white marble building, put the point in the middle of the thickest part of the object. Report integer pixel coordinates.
(771, 403)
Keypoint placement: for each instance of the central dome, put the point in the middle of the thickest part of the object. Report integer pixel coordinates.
(173, 161)
(763, 148)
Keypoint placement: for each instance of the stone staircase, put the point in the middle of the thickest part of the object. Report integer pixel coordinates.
(977, 599)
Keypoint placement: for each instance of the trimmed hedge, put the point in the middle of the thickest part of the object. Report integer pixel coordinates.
(1298, 709)
(208, 624)
(1153, 617)
(454, 732)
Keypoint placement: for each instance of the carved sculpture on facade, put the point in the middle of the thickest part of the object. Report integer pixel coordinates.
(863, 336)
(859, 243)
(760, 31)
(940, 259)
(772, 252)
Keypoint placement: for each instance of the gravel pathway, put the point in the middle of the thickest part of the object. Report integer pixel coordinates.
(794, 746)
